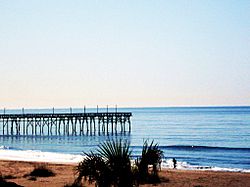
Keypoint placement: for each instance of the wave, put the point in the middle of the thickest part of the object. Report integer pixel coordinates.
(39, 156)
(168, 164)
(3, 147)
(194, 147)
(198, 148)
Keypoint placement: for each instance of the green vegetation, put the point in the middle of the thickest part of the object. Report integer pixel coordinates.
(73, 185)
(151, 156)
(93, 168)
(41, 171)
(3, 177)
(111, 165)
(5, 183)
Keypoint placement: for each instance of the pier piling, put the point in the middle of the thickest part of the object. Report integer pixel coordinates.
(71, 123)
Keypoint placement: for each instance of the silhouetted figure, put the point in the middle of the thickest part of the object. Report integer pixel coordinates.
(174, 162)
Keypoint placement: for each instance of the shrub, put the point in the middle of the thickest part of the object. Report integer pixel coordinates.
(93, 168)
(151, 155)
(32, 178)
(8, 177)
(1, 177)
(41, 171)
(116, 155)
(72, 185)
(109, 166)
(4, 183)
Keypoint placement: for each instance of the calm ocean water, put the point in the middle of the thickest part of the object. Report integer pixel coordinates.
(216, 138)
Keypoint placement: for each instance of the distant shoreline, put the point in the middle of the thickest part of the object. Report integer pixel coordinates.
(127, 107)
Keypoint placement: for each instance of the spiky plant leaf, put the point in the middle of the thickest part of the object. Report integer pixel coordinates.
(93, 168)
(151, 155)
(116, 154)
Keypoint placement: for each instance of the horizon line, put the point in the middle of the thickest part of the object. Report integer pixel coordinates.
(113, 107)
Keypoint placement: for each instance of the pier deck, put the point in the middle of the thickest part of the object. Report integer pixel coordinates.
(64, 123)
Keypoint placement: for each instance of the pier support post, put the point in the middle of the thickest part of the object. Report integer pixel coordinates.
(73, 123)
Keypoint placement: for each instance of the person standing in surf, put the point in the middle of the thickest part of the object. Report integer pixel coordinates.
(174, 163)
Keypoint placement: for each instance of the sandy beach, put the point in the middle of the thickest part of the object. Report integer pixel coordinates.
(65, 175)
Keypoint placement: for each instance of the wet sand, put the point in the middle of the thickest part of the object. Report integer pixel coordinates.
(176, 178)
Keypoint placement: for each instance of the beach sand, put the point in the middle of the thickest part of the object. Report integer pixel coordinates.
(65, 175)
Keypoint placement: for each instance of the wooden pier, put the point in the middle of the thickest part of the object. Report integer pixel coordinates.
(68, 124)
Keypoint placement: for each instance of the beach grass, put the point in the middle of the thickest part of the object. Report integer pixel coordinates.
(41, 170)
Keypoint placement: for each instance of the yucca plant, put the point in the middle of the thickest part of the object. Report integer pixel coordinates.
(110, 166)
(93, 168)
(116, 154)
(151, 155)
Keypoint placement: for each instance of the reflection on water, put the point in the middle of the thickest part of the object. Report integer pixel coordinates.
(65, 144)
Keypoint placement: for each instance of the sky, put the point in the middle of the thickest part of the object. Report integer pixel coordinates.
(125, 53)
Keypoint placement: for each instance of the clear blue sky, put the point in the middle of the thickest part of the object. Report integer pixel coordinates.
(130, 53)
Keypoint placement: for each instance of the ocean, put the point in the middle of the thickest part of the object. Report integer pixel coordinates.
(203, 138)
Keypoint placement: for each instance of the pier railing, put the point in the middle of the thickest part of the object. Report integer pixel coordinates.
(64, 123)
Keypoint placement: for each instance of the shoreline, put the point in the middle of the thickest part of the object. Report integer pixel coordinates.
(170, 177)
(77, 158)
(74, 159)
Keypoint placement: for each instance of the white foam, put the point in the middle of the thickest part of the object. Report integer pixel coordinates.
(4, 147)
(168, 164)
(39, 156)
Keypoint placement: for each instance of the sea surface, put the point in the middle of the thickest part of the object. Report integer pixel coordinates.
(205, 138)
